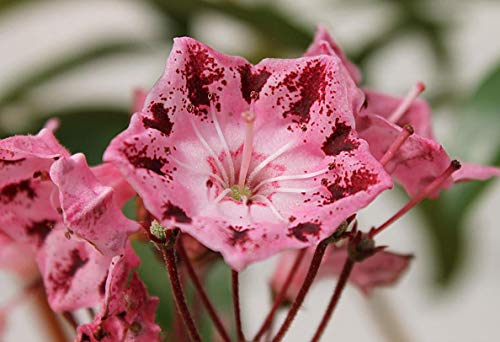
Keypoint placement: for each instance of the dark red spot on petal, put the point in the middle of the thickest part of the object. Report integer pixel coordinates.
(160, 121)
(302, 231)
(252, 82)
(11, 162)
(311, 85)
(10, 191)
(339, 140)
(141, 160)
(201, 70)
(62, 275)
(360, 180)
(40, 229)
(239, 236)
(173, 212)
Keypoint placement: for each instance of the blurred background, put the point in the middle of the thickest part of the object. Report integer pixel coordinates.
(81, 61)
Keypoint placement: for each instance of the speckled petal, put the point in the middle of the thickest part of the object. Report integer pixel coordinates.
(89, 207)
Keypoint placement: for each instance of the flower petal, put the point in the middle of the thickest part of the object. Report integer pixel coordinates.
(89, 208)
(380, 270)
(73, 272)
(470, 171)
(17, 257)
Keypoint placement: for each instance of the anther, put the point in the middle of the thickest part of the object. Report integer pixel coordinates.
(398, 113)
(396, 144)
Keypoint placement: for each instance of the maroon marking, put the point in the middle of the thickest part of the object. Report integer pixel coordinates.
(339, 140)
(10, 191)
(303, 230)
(141, 160)
(201, 71)
(311, 84)
(102, 285)
(360, 180)
(239, 236)
(173, 212)
(61, 278)
(251, 82)
(11, 162)
(160, 121)
(40, 229)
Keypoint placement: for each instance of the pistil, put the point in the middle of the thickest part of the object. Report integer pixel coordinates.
(398, 113)
(249, 119)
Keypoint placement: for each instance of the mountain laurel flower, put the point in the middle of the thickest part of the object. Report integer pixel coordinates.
(249, 160)
(55, 206)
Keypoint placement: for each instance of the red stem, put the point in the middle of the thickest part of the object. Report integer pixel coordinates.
(180, 300)
(236, 305)
(311, 274)
(344, 276)
(201, 292)
(279, 298)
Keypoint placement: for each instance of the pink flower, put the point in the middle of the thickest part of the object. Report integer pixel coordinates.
(381, 269)
(419, 159)
(17, 257)
(33, 217)
(249, 160)
(128, 312)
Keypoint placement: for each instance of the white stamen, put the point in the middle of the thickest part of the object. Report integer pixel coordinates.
(249, 118)
(269, 159)
(224, 144)
(221, 196)
(212, 153)
(271, 206)
(408, 100)
(198, 172)
(289, 177)
(296, 190)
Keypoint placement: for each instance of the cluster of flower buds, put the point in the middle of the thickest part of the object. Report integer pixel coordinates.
(227, 158)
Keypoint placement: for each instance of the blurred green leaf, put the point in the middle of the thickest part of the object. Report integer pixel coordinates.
(64, 65)
(272, 25)
(446, 216)
(87, 129)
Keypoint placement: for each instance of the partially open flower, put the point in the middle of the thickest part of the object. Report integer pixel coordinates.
(36, 171)
(380, 270)
(249, 160)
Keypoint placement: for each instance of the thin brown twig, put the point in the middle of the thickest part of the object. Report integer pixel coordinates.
(236, 305)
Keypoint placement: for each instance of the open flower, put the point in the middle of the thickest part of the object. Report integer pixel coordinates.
(49, 201)
(419, 159)
(382, 269)
(249, 160)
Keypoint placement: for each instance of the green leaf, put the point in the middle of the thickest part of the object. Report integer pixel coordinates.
(64, 65)
(272, 25)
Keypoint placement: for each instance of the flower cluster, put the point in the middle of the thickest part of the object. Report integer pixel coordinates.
(246, 160)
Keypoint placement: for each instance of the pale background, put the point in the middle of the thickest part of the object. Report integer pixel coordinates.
(468, 311)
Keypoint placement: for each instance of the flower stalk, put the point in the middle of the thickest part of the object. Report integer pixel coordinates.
(279, 298)
(201, 292)
(236, 305)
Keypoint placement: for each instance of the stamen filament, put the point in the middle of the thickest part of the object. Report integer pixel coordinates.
(269, 159)
(295, 190)
(289, 177)
(224, 144)
(396, 144)
(408, 100)
(270, 205)
(192, 169)
(212, 153)
(249, 118)
(221, 196)
(436, 184)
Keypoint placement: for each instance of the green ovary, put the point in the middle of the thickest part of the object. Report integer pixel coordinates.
(237, 193)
